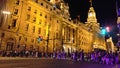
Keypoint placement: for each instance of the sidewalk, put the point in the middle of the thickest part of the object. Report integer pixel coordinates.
(26, 58)
(10, 58)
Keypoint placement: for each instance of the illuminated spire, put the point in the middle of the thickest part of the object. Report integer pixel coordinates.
(91, 14)
(55, 1)
(52, 1)
(91, 3)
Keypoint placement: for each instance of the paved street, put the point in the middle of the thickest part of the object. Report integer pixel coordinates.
(48, 63)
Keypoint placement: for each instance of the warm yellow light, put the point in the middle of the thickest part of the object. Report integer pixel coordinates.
(118, 34)
(6, 12)
(90, 14)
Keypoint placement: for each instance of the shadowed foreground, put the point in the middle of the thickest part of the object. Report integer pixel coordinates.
(48, 63)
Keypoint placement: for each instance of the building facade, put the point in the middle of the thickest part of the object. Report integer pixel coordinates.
(118, 20)
(98, 40)
(46, 26)
(110, 46)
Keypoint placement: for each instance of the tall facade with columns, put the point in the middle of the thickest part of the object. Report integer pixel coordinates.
(45, 26)
(98, 40)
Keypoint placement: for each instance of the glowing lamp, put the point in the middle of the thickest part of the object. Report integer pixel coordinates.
(107, 29)
(103, 31)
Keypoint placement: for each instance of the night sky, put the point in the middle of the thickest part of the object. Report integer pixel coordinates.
(105, 13)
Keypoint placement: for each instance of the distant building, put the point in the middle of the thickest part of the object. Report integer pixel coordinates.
(118, 19)
(110, 46)
(46, 26)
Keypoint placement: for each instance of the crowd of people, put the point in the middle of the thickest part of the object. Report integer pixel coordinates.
(102, 57)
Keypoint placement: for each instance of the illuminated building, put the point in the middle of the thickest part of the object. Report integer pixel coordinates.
(109, 45)
(118, 19)
(45, 26)
(98, 40)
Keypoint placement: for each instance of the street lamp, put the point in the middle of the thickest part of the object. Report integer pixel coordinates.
(105, 31)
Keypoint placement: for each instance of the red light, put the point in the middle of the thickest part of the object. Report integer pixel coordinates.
(108, 29)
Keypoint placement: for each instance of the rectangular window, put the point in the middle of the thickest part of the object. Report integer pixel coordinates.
(33, 29)
(29, 8)
(41, 4)
(57, 35)
(27, 27)
(20, 38)
(17, 2)
(46, 6)
(36, 1)
(28, 17)
(2, 35)
(45, 32)
(45, 24)
(14, 21)
(9, 26)
(15, 12)
(50, 9)
(50, 18)
(54, 8)
(26, 39)
(41, 14)
(32, 40)
(39, 30)
(9, 46)
(1, 20)
(45, 16)
(40, 21)
(35, 11)
(34, 19)
(57, 21)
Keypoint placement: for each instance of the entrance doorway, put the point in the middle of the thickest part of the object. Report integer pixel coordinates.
(9, 46)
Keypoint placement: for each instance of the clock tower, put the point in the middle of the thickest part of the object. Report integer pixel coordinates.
(91, 14)
(92, 23)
